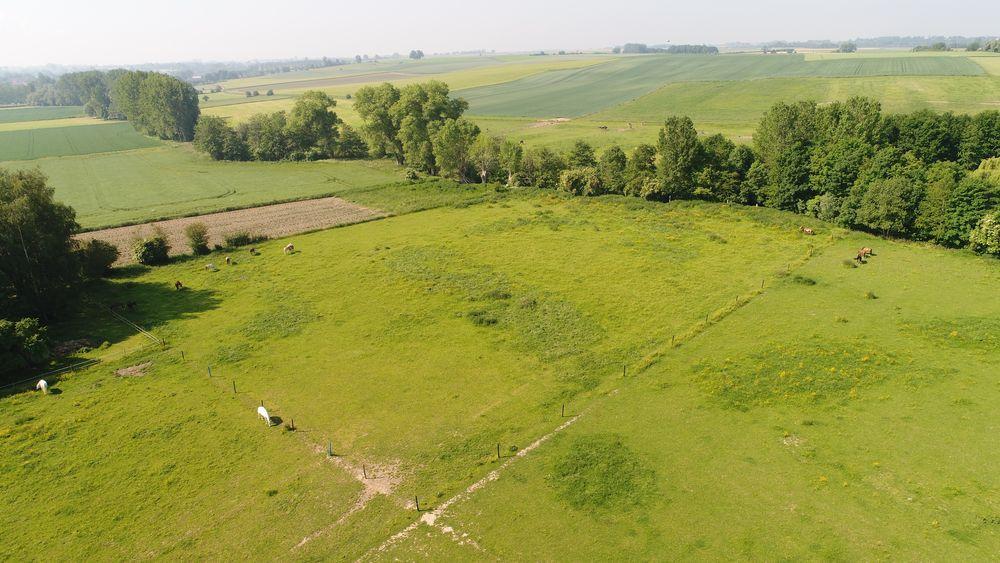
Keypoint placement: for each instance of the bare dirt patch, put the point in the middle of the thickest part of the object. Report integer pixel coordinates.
(137, 370)
(277, 220)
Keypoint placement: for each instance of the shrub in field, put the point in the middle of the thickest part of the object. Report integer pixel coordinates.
(870, 295)
(581, 181)
(244, 238)
(197, 236)
(23, 343)
(803, 280)
(986, 236)
(151, 251)
(96, 257)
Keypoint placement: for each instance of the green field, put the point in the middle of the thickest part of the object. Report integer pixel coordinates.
(41, 142)
(572, 93)
(11, 115)
(172, 180)
(415, 345)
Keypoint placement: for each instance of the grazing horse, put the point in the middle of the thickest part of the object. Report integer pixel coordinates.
(807, 231)
(866, 252)
(42, 386)
(290, 249)
(262, 412)
(178, 285)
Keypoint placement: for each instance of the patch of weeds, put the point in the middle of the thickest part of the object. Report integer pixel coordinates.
(787, 373)
(803, 280)
(840, 319)
(232, 353)
(278, 322)
(480, 317)
(271, 492)
(975, 333)
(600, 471)
(870, 295)
(498, 294)
(848, 263)
(715, 237)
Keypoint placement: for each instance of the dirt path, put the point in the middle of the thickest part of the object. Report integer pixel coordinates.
(277, 220)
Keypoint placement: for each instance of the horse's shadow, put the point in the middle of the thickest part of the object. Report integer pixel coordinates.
(276, 420)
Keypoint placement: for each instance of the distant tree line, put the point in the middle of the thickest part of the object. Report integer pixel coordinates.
(310, 131)
(642, 48)
(156, 104)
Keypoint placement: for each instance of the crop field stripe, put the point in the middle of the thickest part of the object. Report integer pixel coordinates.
(32, 144)
(33, 113)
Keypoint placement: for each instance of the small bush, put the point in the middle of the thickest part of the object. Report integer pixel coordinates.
(23, 343)
(244, 238)
(96, 258)
(482, 318)
(870, 295)
(197, 236)
(803, 280)
(151, 251)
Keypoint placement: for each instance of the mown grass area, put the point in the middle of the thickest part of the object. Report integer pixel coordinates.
(571, 93)
(15, 114)
(812, 423)
(412, 344)
(34, 143)
(172, 180)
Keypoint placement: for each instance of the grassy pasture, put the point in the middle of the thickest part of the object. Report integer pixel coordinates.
(28, 144)
(571, 93)
(170, 181)
(812, 423)
(15, 114)
(414, 344)
(49, 123)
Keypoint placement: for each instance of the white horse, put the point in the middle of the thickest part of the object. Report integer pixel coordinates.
(263, 414)
(290, 249)
(43, 386)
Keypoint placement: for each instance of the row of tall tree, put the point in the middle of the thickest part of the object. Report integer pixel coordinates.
(907, 175)
(156, 104)
(310, 131)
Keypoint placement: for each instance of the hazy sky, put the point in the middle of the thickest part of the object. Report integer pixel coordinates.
(135, 31)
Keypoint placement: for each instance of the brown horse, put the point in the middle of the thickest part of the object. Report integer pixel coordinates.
(807, 231)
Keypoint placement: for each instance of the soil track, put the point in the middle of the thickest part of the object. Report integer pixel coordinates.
(277, 220)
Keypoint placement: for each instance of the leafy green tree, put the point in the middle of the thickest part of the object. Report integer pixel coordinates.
(930, 136)
(932, 214)
(834, 167)
(581, 181)
(640, 171)
(96, 258)
(264, 136)
(38, 269)
(611, 169)
(157, 104)
(452, 142)
(151, 251)
(986, 236)
(541, 167)
(215, 137)
(350, 144)
(972, 199)
(581, 155)
(511, 156)
(848, 47)
(889, 206)
(486, 156)
(679, 154)
(197, 237)
(374, 105)
(980, 140)
(783, 142)
(23, 343)
(312, 125)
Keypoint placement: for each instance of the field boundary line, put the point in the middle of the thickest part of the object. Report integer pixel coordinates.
(430, 518)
